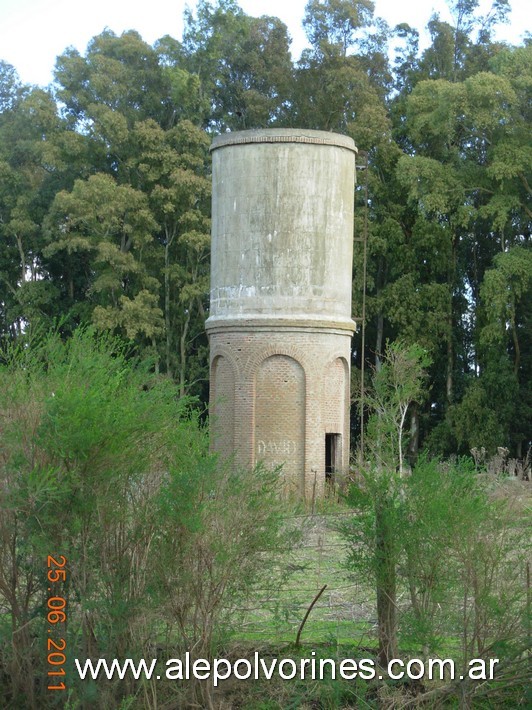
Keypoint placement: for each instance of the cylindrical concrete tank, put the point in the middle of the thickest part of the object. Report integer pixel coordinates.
(280, 312)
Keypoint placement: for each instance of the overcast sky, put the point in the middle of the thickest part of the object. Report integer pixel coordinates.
(34, 32)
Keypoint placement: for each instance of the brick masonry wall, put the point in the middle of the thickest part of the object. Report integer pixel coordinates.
(280, 417)
(275, 393)
(222, 412)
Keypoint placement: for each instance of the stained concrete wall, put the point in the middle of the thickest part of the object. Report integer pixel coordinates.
(280, 314)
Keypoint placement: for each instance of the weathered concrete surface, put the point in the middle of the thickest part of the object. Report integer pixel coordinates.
(280, 316)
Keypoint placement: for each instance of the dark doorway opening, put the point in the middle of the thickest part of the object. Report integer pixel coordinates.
(333, 456)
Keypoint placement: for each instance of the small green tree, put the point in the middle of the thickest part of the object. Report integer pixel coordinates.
(396, 385)
(445, 533)
(441, 507)
(378, 495)
(465, 546)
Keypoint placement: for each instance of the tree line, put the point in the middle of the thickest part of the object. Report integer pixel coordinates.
(105, 194)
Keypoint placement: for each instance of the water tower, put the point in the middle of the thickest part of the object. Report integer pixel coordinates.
(280, 323)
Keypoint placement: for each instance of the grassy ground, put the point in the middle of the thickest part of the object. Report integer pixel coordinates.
(342, 624)
(343, 614)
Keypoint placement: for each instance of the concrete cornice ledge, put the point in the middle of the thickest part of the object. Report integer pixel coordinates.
(284, 135)
(305, 324)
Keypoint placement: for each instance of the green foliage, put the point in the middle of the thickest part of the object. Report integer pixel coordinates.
(397, 384)
(439, 534)
(462, 542)
(476, 420)
(495, 406)
(504, 288)
(242, 63)
(456, 550)
(119, 76)
(10, 87)
(103, 462)
(223, 526)
(334, 23)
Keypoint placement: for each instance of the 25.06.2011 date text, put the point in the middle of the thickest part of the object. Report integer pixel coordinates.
(56, 614)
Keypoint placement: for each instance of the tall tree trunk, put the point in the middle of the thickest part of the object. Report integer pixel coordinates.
(183, 350)
(517, 348)
(413, 444)
(380, 280)
(450, 349)
(378, 341)
(386, 585)
(154, 346)
(450, 362)
(167, 320)
(22, 259)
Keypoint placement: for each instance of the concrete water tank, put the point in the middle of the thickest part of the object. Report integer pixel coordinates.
(280, 321)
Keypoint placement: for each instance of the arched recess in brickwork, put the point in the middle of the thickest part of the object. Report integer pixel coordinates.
(336, 416)
(333, 396)
(280, 418)
(270, 349)
(222, 398)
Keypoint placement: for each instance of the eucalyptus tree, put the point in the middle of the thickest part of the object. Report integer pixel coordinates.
(106, 227)
(336, 23)
(171, 168)
(243, 65)
(467, 179)
(130, 234)
(11, 87)
(117, 75)
(37, 154)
